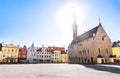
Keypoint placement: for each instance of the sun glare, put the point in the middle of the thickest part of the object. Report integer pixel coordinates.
(65, 16)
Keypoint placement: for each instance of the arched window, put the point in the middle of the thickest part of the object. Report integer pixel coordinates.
(106, 50)
(99, 50)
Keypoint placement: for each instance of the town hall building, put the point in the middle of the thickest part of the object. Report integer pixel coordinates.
(93, 46)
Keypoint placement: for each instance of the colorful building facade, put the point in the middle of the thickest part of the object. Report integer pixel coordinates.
(22, 55)
(116, 50)
(10, 53)
(32, 54)
(64, 57)
(43, 55)
(58, 54)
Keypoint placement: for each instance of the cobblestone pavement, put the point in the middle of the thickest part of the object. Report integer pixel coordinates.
(59, 71)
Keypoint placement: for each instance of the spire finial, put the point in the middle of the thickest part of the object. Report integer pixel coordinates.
(74, 15)
(99, 20)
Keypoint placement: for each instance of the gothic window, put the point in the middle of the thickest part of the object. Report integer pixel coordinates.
(88, 51)
(106, 50)
(103, 38)
(99, 50)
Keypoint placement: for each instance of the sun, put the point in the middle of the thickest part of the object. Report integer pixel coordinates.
(64, 16)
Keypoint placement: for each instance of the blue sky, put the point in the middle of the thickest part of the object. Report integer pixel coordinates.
(47, 21)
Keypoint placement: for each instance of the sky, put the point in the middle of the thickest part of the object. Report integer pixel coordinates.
(49, 22)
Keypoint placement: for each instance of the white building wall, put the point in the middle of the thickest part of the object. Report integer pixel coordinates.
(44, 55)
(32, 54)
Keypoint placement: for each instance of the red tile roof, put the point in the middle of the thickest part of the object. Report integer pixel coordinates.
(56, 48)
(62, 49)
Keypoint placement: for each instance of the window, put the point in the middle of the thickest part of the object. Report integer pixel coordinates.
(88, 51)
(23, 56)
(12, 50)
(3, 55)
(37, 52)
(99, 50)
(103, 38)
(106, 50)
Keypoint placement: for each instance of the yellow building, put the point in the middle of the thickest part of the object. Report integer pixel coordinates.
(10, 53)
(0, 52)
(116, 50)
(64, 57)
(56, 56)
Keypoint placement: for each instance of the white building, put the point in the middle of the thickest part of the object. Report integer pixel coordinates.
(43, 55)
(32, 54)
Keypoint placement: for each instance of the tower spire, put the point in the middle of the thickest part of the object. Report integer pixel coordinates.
(99, 20)
(74, 24)
(74, 16)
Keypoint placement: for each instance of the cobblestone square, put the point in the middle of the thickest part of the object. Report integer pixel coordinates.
(59, 71)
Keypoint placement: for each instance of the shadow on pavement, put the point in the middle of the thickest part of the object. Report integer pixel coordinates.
(103, 68)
